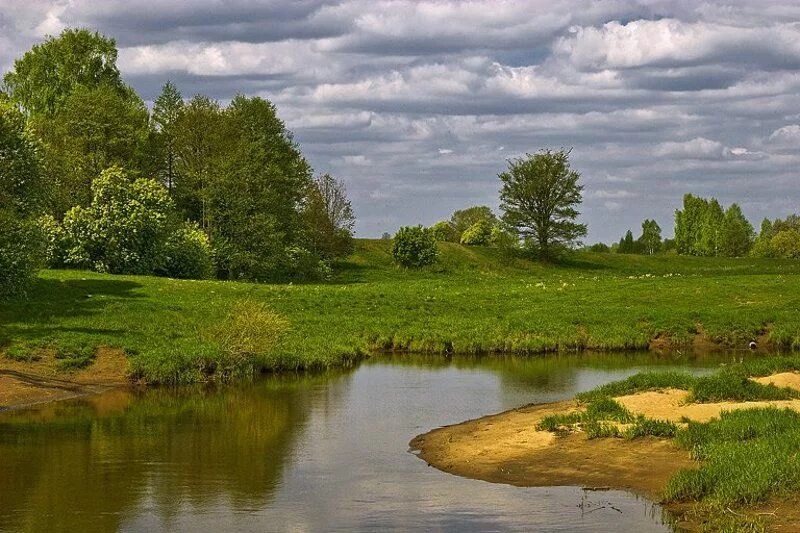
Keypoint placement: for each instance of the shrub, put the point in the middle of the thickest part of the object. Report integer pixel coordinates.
(21, 191)
(187, 254)
(20, 253)
(125, 228)
(414, 246)
(443, 231)
(477, 234)
(55, 241)
(249, 333)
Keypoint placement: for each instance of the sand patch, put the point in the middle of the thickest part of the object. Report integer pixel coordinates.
(671, 404)
(782, 380)
(507, 448)
(26, 383)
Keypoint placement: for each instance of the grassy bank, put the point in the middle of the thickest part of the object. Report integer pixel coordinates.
(748, 454)
(473, 300)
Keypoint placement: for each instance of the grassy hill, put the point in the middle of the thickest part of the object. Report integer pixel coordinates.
(473, 300)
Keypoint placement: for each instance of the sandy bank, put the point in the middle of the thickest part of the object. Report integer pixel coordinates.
(507, 448)
(28, 383)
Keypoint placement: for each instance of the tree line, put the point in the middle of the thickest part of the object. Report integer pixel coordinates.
(91, 178)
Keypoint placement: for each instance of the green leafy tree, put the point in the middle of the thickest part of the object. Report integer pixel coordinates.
(201, 144)
(329, 218)
(599, 247)
(44, 77)
(255, 197)
(478, 234)
(167, 109)
(414, 246)
(443, 231)
(539, 197)
(737, 233)
(689, 225)
(712, 224)
(21, 188)
(627, 244)
(94, 129)
(650, 241)
(465, 218)
(124, 229)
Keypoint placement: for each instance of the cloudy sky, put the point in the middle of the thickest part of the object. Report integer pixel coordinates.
(417, 105)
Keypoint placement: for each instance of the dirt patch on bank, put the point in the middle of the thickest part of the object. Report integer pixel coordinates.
(25, 383)
(507, 448)
(784, 379)
(671, 404)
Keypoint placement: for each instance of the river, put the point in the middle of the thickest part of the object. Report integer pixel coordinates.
(305, 452)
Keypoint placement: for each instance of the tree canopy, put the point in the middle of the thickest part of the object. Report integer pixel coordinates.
(539, 198)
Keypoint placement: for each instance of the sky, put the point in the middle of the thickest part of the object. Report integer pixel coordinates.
(418, 105)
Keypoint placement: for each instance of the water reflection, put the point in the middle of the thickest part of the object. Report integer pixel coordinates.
(308, 452)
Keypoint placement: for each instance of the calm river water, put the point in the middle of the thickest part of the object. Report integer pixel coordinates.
(325, 452)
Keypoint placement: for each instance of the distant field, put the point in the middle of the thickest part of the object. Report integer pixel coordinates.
(474, 300)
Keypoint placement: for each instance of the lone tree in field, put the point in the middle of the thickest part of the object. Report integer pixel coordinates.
(539, 198)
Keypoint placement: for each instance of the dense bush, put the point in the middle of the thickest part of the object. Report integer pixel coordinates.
(414, 246)
(187, 254)
(477, 234)
(443, 231)
(124, 229)
(780, 238)
(21, 190)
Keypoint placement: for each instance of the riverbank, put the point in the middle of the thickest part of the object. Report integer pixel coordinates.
(27, 383)
(719, 451)
(474, 300)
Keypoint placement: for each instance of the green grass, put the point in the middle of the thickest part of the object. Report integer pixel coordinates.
(745, 457)
(473, 301)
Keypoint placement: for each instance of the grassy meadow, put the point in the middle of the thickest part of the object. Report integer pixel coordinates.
(474, 300)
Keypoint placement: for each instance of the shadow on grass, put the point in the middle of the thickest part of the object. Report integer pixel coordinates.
(51, 300)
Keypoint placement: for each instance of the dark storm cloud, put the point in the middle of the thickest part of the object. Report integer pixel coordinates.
(418, 104)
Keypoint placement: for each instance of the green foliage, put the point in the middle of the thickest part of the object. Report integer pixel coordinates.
(443, 231)
(599, 247)
(746, 457)
(45, 77)
(478, 234)
(329, 218)
(167, 109)
(125, 228)
(95, 128)
(21, 189)
(650, 241)
(463, 219)
(780, 238)
(627, 245)
(703, 228)
(186, 254)
(539, 197)
(414, 246)
(643, 381)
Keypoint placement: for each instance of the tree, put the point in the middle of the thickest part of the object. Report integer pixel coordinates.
(650, 240)
(539, 197)
(627, 245)
(124, 229)
(737, 233)
(329, 217)
(200, 146)
(464, 218)
(478, 234)
(255, 195)
(689, 225)
(48, 73)
(414, 246)
(166, 112)
(94, 129)
(443, 231)
(21, 187)
(713, 220)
